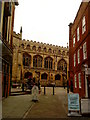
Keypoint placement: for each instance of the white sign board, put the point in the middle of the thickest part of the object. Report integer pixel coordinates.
(73, 102)
(85, 106)
(35, 93)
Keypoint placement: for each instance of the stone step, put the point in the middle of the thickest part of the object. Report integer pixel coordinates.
(20, 93)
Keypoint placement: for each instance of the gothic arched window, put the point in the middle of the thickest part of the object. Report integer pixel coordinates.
(28, 47)
(34, 48)
(63, 53)
(26, 59)
(48, 62)
(59, 52)
(39, 49)
(62, 65)
(22, 45)
(50, 50)
(67, 53)
(37, 61)
(45, 49)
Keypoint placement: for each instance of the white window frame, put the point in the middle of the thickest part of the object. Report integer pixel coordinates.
(84, 51)
(83, 25)
(79, 79)
(78, 35)
(74, 59)
(74, 40)
(78, 55)
(75, 81)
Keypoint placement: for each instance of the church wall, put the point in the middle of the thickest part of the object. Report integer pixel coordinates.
(32, 49)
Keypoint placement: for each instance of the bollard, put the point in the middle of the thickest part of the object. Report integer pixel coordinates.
(67, 89)
(53, 90)
(22, 87)
(44, 90)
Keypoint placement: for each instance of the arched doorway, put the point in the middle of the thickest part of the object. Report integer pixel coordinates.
(26, 59)
(57, 77)
(27, 74)
(62, 67)
(43, 81)
(44, 76)
(27, 82)
(58, 80)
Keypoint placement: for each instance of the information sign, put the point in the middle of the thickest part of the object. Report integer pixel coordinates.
(85, 106)
(73, 102)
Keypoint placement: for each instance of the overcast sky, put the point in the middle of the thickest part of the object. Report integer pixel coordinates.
(46, 20)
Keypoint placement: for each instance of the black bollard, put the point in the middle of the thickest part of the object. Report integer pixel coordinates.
(53, 90)
(22, 87)
(44, 90)
(67, 89)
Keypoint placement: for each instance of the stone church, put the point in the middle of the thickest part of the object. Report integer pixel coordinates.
(45, 62)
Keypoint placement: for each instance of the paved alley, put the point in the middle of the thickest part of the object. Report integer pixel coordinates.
(48, 106)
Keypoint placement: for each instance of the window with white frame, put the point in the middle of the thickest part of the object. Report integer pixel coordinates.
(75, 80)
(84, 50)
(78, 37)
(74, 60)
(83, 25)
(78, 55)
(79, 79)
(74, 40)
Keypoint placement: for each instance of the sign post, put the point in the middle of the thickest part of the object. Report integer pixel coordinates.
(35, 93)
(73, 105)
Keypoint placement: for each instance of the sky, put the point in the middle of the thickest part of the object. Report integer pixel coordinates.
(46, 20)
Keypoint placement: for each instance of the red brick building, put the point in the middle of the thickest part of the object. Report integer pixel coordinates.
(79, 51)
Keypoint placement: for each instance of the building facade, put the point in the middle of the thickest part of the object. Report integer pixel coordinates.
(79, 51)
(6, 42)
(47, 63)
